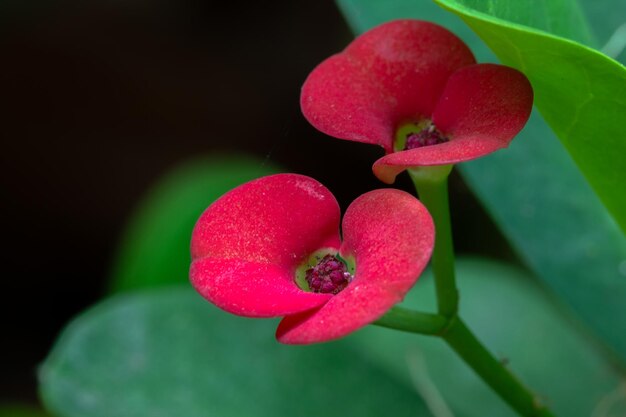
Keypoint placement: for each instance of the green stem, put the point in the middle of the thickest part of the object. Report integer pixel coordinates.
(406, 320)
(431, 184)
(433, 192)
(461, 339)
(492, 371)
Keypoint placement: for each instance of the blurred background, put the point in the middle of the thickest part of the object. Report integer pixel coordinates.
(102, 98)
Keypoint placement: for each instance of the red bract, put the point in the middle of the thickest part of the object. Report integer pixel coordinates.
(248, 245)
(413, 72)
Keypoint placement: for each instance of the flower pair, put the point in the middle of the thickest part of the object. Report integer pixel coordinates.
(272, 247)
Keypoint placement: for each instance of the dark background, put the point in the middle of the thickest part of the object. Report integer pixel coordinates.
(100, 99)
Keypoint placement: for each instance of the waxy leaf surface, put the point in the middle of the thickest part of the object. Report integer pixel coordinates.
(168, 353)
(580, 92)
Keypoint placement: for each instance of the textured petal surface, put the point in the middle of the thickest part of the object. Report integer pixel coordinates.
(484, 100)
(247, 245)
(457, 150)
(390, 74)
(481, 109)
(390, 234)
(341, 100)
(251, 289)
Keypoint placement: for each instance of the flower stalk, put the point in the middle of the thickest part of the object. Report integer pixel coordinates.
(461, 339)
(403, 319)
(431, 184)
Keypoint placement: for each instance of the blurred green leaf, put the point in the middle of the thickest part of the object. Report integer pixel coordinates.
(606, 17)
(155, 248)
(580, 92)
(517, 322)
(538, 197)
(167, 352)
(15, 410)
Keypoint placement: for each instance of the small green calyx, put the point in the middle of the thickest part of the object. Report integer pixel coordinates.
(415, 135)
(325, 273)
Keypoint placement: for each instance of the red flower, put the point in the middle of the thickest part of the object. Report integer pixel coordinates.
(414, 88)
(257, 249)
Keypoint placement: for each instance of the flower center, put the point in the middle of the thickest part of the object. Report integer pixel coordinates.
(426, 137)
(415, 135)
(329, 276)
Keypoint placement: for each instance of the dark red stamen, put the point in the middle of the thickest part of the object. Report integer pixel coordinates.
(330, 275)
(427, 137)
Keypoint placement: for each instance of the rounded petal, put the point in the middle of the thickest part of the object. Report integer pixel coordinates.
(484, 101)
(391, 235)
(251, 289)
(390, 74)
(278, 219)
(246, 246)
(412, 60)
(481, 110)
(339, 99)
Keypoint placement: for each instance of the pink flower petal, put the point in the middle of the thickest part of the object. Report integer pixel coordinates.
(484, 100)
(391, 236)
(481, 109)
(278, 219)
(389, 75)
(258, 234)
(457, 150)
(339, 99)
(251, 289)
(413, 60)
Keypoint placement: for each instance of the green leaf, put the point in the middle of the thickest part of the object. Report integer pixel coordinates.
(167, 352)
(155, 247)
(538, 197)
(608, 21)
(580, 92)
(559, 229)
(519, 324)
(560, 17)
